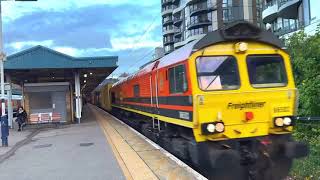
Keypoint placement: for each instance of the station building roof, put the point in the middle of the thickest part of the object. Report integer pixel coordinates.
(41, 64)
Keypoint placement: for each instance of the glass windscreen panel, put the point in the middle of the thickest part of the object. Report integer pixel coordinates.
(217, 73)
(266, 71)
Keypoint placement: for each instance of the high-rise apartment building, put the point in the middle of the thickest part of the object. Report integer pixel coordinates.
(287, 16)
(186, 20)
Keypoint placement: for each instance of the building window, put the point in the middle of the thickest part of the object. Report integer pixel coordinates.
(136, 90)
(177, 79)
(168, 48)
(227, 10)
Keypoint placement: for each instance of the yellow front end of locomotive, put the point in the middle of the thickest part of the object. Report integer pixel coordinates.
(241, 90)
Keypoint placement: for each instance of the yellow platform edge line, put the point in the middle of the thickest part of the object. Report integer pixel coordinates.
(120, 161)
(119, 156)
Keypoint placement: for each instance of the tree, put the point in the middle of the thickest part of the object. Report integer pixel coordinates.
(305, 54)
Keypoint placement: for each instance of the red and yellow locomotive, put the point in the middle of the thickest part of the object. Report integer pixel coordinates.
(224, 103)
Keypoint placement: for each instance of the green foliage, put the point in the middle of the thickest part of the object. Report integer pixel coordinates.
(305, 55)
(309, 167)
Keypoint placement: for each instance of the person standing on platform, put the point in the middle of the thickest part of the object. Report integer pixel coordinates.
(21, 118)
(4, 130)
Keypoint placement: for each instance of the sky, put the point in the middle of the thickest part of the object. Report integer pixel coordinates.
(130, 29)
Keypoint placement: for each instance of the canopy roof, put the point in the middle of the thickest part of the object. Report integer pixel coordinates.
(40, 64)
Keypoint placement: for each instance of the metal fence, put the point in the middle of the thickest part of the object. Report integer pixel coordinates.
(299, 118)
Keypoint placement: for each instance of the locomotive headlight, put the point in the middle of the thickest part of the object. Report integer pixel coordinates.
(279, 122)
(219, 127)
(211, 128)
(241, 47)
(287, 121)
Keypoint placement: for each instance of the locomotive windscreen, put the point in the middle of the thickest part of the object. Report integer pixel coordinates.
(217, 73)
(266, 71)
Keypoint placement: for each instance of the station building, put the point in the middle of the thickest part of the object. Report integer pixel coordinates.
(54, 84)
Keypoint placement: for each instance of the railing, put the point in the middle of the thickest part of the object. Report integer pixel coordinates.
(171, 7)
(198, 21)
(299, 118)
(170, 30)
(199, 7)
(282, 2)
(166, 20)
(196, 33)
(177, 18)
(168, 41)
(269, 4)
(166, 1)
(286, 30)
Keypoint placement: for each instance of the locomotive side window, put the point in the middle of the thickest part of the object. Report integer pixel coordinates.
(136, 90)
(217, 73)
(177, 79)
(266, 71)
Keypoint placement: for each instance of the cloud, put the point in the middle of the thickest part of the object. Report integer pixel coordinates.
(122, 43)
(128, 29)
(20, 45)
(89, 27)
(13, 10)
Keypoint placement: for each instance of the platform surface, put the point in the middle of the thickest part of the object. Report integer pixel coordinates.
(101, 147)
(73, 152)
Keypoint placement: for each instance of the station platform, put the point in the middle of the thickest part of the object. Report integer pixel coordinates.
(138, 157)
(101, 147)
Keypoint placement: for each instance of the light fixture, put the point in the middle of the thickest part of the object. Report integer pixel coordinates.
(279, 122)
(91, 73)
(287, 121)
(85, 75)
(241, 47)
(85, 81)
(211, 128)
(219, 127)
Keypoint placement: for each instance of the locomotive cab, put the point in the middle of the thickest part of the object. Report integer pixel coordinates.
(242, 94)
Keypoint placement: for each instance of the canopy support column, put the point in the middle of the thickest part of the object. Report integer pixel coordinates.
(77, 96)
(9, 95)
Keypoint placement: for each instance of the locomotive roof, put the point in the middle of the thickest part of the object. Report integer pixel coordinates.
(238, 31)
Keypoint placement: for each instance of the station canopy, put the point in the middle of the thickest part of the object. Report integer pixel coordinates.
(41, 65)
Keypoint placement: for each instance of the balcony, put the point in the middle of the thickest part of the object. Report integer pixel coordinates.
(177, 20)
(194, 37)
(193, 1)
(178, 32)
(166, 22)
(166, 11)
(169, 31)
(287, 30)
(203, 7)
(270, 13)
(198, 23)
(165, 2)
(178, 9)
(288, 9)
(168, 41)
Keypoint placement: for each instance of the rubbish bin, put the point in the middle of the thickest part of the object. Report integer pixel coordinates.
(4, 130)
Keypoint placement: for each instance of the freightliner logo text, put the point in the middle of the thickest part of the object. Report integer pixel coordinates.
(247, 105)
